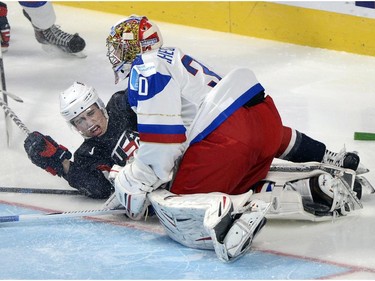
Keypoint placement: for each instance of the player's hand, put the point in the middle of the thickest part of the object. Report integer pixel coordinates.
(47, 154)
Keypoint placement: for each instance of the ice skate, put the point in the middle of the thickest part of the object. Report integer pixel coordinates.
(54, 38)
(343, 159)
(324, 195)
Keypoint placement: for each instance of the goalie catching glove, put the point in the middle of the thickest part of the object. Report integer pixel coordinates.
(132, 184)
(44, 152)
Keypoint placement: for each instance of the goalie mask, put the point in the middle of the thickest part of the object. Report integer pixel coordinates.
(128, 38)
(82, 109)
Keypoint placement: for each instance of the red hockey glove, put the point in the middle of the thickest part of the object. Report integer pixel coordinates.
(44, 152)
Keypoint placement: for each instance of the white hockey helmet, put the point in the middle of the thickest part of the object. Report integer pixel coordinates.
(127, 39)
(76, 99)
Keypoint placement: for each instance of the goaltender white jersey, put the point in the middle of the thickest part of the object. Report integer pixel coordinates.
(170, 91)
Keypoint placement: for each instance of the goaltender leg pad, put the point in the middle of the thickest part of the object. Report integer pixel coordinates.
(241, 201)
(208, 221)
(286, 203)
(183, 216)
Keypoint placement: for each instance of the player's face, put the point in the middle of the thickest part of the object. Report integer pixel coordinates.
(91, 122)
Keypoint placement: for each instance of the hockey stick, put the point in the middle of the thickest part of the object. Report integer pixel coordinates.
(365, 136)
(13, 96)
(4, 88)
(23, 127)
(9, 113)
(60, 215)
(39, 190)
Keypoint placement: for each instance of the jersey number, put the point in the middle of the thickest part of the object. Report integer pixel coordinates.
(186, 61)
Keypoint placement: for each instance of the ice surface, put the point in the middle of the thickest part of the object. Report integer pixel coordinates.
(325, 94)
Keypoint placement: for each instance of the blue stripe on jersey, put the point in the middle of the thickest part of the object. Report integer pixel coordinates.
(152, 85)
(32, 4)
(161, 129)
(162, 133)
(143, 88)
(248, 95)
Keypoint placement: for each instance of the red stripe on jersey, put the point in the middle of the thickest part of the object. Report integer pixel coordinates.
(204, 239)
(162, 138)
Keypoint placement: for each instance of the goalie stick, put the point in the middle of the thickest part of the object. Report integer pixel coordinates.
(39, 190)
(60, 215)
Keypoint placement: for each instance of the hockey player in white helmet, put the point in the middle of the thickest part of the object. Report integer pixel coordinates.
(81, 107)
(222, 131)
(109, 138)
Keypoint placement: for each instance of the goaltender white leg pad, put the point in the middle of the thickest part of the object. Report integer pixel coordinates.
(186, 218)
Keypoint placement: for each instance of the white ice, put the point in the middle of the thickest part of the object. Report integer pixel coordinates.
(326, 94)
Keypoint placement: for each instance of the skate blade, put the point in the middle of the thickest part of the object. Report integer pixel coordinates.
(365, 183)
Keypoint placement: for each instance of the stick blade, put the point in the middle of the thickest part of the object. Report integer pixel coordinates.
(13, 96)
(366, 136)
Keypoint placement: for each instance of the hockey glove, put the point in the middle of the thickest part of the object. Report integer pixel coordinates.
(44, 152)
(132, 184)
